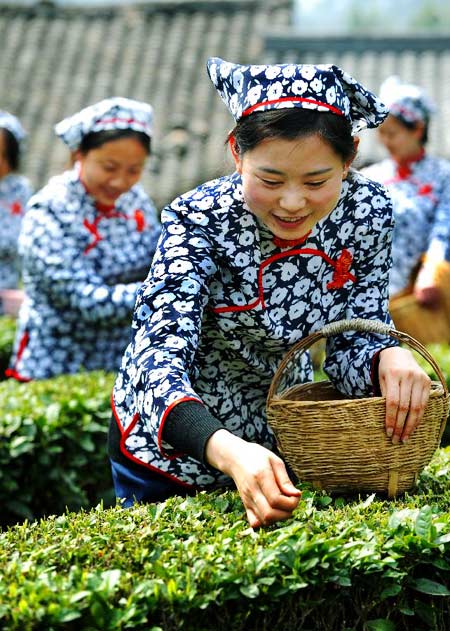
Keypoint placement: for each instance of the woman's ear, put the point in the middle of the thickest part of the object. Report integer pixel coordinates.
(235, 153)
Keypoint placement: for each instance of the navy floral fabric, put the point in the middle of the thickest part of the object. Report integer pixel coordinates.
(223, 304)
(82, 268)
(421, 203)
(324, 88)
(15, 190)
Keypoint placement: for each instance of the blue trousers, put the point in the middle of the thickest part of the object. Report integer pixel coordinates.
(144, 486)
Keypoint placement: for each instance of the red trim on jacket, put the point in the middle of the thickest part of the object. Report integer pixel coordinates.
(341, 275)
(126, 432)
(109, 212)
(290, 243)
(12, 372)
(292, 99)
(16, 208)
(404, 171)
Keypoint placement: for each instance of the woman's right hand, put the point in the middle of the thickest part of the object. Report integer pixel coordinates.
(260, 476)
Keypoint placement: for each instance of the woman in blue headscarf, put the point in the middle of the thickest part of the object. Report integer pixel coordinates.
(247, 265)
(15, 190)
(419, 185)
(87, 242)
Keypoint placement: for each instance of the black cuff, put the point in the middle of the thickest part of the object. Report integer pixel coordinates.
(188, 427)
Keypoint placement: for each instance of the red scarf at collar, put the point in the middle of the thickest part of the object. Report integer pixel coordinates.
(404, 166)
(290, 243)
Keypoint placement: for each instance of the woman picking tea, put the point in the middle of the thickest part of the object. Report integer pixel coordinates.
(248, 264)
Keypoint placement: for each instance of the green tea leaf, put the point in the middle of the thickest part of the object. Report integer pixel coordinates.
(423, 523)
(427, 586)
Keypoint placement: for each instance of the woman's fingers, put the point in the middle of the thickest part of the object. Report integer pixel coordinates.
(283, 480)
(260, 476)
(262, 512)
(419, 399)
(270, 496)
(406, 388)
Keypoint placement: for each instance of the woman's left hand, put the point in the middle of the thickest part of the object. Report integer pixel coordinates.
(406, 388)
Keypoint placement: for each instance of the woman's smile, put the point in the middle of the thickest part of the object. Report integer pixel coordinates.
(290, 223)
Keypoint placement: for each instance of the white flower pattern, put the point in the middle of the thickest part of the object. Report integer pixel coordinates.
(15, 190)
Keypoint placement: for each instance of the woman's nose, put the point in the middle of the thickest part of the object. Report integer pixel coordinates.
(292, 200)
(120, 182)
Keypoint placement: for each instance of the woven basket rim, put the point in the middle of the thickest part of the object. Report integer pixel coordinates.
(437, 390)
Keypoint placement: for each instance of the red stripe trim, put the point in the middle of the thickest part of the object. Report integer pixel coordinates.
(263, 265)
(12, 372)
(122, 120)
(163, 420)
(127, 454)
(292, 99)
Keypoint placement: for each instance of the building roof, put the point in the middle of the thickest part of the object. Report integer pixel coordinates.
(56, 60)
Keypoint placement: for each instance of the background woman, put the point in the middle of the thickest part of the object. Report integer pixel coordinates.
(87, 243)
(15, 190)
(419, 185)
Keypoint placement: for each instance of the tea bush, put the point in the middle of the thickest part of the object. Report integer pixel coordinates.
(53, 445)
(194, 564)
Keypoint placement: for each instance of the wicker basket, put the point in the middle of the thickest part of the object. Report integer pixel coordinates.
(340, 444)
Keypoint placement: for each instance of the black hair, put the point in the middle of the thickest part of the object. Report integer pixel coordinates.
(293, 123)
(12, 149)
(413, 125)
(96, 139)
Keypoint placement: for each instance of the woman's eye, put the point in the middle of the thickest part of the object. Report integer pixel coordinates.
(269, 182)
(315, 184)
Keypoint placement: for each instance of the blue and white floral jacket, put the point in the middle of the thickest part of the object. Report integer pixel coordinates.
(82, 268)
(223, 303)
(420, 195)
(15, 191)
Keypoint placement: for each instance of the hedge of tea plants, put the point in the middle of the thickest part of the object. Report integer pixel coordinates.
(195, 565)
(53, 445)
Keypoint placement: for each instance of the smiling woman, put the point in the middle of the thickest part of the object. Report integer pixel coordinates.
(87, 243)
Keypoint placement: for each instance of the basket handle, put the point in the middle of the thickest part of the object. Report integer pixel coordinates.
(357, 324)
